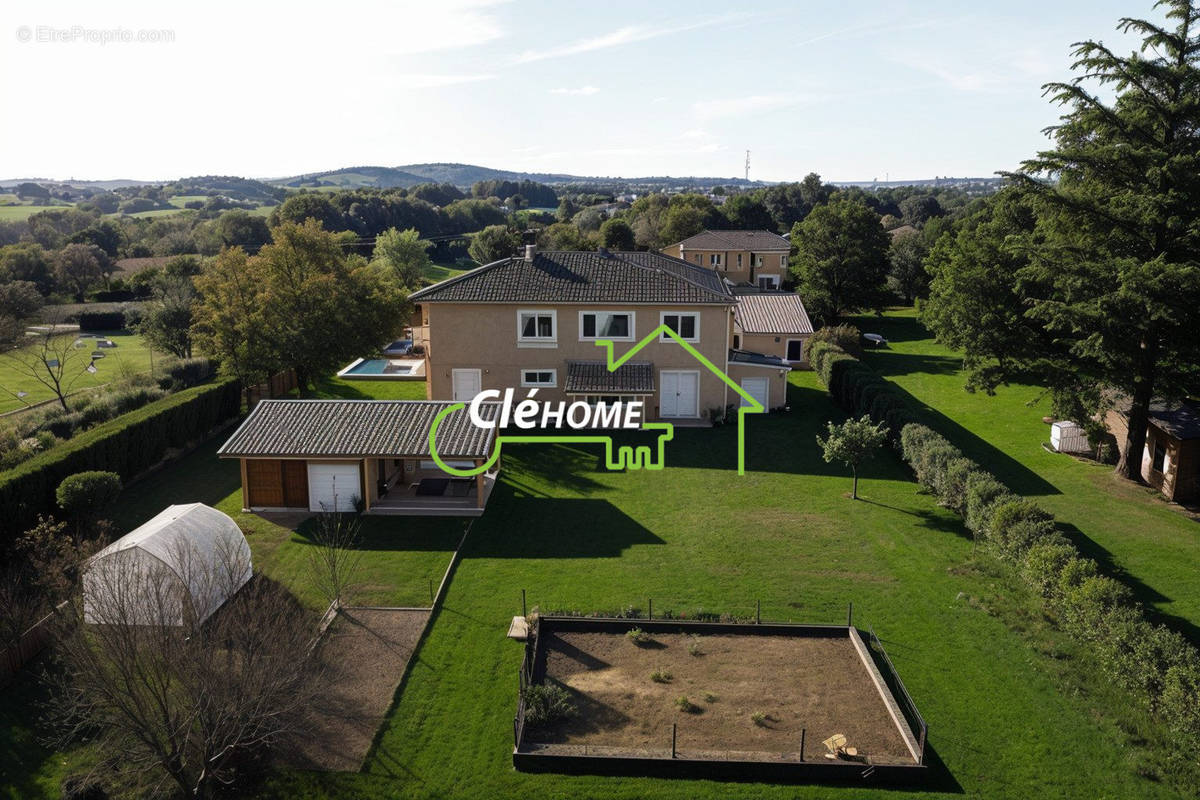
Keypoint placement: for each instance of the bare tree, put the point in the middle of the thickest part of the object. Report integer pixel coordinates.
(174, 695)
(54, 361)
(335, 557)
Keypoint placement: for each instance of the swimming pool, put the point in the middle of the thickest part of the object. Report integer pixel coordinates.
(385, 369)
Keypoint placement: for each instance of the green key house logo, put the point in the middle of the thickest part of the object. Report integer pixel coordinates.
(530, 414)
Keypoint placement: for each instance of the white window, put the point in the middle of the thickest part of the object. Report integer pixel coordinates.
(783, 262)
(739, 260)
(714, 259)
(543, 378)
(768, 281)
(686, 324)
(758, 260)
(537, 328)
(616, 325)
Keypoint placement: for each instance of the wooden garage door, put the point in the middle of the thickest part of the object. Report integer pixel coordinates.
(295, 484)
(264, 483)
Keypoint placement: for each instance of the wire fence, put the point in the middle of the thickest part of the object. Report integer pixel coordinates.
(907, 706)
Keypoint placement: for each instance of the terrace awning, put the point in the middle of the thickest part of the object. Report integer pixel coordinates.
(594, 377)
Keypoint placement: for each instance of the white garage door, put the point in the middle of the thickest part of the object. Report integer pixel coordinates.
(759, 389)
(333, 486)
(679, 394)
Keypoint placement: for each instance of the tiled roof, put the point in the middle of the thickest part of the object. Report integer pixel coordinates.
(772, 312)
(736, 240)
(357, 428)
(1180, 419)
(582, 277)
(593, 377)
(747, 357)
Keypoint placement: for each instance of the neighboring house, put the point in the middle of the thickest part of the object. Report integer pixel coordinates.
(337, 454)
(532, 322)
(759, 258)
(774, 324)
(1171, 459)
(902, 230)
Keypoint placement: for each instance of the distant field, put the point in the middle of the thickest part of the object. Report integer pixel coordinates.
(159, 212)
(180, 199)
(18, 213)
(129, 357)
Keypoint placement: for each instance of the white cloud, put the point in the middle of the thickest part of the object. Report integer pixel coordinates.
(582, 90)
(627, 35)
(427, 81)
(735, 106)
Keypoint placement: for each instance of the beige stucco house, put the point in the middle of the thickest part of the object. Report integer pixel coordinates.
(773, 323)
(532, 322)
(758, 258)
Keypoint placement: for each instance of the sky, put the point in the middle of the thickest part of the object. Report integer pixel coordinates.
(853, 91)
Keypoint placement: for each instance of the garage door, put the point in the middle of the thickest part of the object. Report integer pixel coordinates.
(679, 395)
(333, 486)
(759, 389)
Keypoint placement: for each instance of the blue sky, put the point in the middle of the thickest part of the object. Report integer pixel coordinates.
(851, 91)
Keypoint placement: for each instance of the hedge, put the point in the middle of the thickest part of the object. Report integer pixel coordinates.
(127, 445)
(1158, 666)
(102, 321)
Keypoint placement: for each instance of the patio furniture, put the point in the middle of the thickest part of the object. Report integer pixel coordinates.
(836, 745)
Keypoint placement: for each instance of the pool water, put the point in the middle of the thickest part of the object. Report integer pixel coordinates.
(384, 368)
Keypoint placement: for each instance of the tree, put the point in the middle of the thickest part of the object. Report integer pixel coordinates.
(27, 261)
(615, 234)
(310, 205)
(52, 361)
(853, 442)
(841, 259)
(918, 208)
(335, 558)
(746, 212)
(566, 210)
(403, 255)
(301, 303)
(906, 266)
(493, 243)
(19, 301)
(78, 267)
(167, 319)
(681, 221)
(1110, 293)
(562, 236)
(195, 700)
(86, 496)
(105, 234)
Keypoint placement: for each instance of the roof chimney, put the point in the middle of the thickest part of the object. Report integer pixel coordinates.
(530, 252)
(603, 251)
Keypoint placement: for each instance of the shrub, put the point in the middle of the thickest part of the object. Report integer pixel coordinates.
(637, 636)
(694, 647)
(134, 398)
(661, 676)
(102, 321)
(711, 697)
(1043, 565)
(846, 337)
(982, 491)
(82, 787)
(190, 372)
(1085, 606)
(1016, 523)
(546, 703)
(127, 446)
(1074, 572)
(759, 719)
(87, 494)
(62, 425)
(101, 410)
(685, 705)
(952, 489)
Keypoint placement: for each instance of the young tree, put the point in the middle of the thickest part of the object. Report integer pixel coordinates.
(404, 255)
(335, 557)
(615, 234)
(1110, 294)
(52, 361)
(166, 322)
(841, 259)
(190, 700)
(906, 266)
(86, 496)
(301, 303)
(853, 442)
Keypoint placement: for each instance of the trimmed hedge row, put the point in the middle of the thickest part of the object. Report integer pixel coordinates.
(859, 389)
(127, 446)
(102, 321)
(1160, 667)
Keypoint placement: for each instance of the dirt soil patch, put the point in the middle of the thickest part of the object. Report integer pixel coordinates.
(750, 696)
(364, 654)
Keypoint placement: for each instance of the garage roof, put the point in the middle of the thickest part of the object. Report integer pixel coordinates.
(358, 429)
(772, 312)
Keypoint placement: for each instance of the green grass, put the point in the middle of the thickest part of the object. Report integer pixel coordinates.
(440, 272)
(131, 356)
(21, 213)
(1129, 529)
(1013, 711)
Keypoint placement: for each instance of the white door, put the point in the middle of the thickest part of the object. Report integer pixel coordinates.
(334, 486)
(759, 389)
(679, 394)
(467, 384)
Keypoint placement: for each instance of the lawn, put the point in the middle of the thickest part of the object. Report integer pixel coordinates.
(131, 356)
(1131, 530)
(21, 213)
(1013, 713)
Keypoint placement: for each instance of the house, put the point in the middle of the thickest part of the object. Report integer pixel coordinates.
(774, 324)
(337, 455)
(1171, 458)
(759, 258)
(531, 322)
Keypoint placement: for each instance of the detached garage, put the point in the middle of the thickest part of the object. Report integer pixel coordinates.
(341, 455)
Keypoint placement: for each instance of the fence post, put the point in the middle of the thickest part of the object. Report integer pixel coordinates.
(649, 608)
(758, 612)
(803, 732)
(524, 613)
(674, 730)
(431, 592)
(850, 615)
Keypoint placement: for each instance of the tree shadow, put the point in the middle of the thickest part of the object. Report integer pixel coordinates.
(928, 518)
(385, 533)
(539, 527)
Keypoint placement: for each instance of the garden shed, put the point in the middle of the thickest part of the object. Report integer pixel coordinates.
(181, 565)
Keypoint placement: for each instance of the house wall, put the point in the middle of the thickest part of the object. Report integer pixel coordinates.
(773, 344)
(777, 377)
(1180, 478)
(484, 337)
(774, 263)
